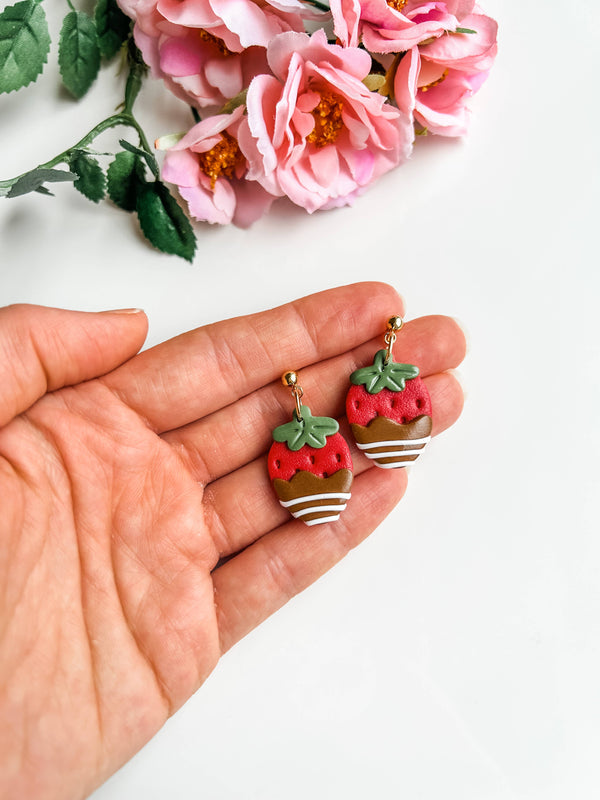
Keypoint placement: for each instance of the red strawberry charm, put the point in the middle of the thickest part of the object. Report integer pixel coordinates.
(310, 465)
(389, 409)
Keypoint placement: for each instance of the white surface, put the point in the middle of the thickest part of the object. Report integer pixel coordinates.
(456, 653)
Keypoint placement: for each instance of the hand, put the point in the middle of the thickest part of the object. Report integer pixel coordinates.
(141, 538)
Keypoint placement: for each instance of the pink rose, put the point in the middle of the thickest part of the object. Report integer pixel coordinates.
(207, 51)
(434, 82)
(394, 26)
(313, 131)
(210, 171)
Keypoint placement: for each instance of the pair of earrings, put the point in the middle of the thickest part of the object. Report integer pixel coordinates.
(389, 411)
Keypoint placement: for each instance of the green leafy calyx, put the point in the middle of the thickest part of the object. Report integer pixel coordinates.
(309, 430)
(384, 376)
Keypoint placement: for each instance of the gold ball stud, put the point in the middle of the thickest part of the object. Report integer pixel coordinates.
(290, 379)
(395, 323)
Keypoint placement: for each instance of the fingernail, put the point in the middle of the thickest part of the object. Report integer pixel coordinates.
(459, 377)
(123, 311)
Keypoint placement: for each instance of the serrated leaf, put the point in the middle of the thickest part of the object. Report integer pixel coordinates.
(78, 53)
(24, 44)
(112, 26)
(32, 181)
(126, 176)
(148, 157)
(163, 222)
(381, 375)
(91, 181)
(137, 72)
(312, 431)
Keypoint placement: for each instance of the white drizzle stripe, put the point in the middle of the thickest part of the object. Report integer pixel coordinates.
(396, 442)
(319, 520)
(313, 509)
(310, 497)
(389, 453)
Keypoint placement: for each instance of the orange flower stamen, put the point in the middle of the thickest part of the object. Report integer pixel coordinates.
(328, 120)
(397, 5)
(429, 86)
(221, 160)
(218, 43)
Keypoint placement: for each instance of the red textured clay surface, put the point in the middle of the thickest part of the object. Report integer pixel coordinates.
(322, 462)
(362, 407)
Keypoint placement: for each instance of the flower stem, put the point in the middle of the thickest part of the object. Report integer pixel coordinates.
(125, 118)
(115, 120)
(317, 4)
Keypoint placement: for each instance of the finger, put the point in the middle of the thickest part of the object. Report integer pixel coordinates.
(447, 401)
(206, 369)
(42, 349)
(242, 506)
(233, 436)
(254, 584)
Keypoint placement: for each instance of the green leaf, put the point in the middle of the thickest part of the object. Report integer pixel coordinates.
(126, 177)
(384, 376)
(464, 30)
(309, 430)
(235, 102)
(112, 26)
(91, 181)
(148, 157)
(374, 82)
(78, 53)
(24, 44)
(163, 222)
(32, 181)
(137, 72)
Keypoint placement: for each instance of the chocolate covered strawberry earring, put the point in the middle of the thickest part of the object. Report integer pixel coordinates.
(309, 463)
(389, 408)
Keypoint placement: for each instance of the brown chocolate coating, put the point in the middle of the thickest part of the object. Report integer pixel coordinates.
(382, 429)
(305, 484)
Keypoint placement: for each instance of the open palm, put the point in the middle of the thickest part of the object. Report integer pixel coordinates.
(140, 535)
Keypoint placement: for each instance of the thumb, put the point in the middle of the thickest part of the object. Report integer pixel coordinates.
(42, 349)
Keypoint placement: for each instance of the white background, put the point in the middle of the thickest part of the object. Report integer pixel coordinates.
(456, 653)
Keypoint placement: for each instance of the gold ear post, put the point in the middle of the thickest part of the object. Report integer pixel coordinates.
(290, 379)
(394, 324)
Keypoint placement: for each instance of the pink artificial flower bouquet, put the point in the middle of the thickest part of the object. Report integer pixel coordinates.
(304, 99)
(315, 118)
